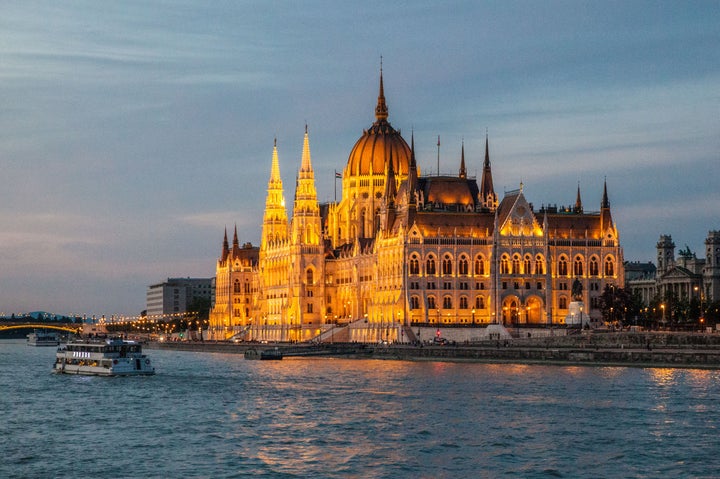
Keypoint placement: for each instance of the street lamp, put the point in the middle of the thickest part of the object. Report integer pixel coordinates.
(473, 316)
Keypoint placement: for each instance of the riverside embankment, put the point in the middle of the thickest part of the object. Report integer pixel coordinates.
(663, 349)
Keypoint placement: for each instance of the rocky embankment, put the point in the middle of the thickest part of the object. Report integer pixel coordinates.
(647, 349)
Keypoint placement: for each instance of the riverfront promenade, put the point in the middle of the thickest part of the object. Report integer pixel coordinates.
(647, 349)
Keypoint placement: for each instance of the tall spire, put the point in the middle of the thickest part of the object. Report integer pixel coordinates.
(463, 171)
(305, 224)
(578, 201)
(275, 167)
(488, 198)
(275, 222)
(605, 203)
(412, 173)
(225, 247)
(606, 221)
(306, 165)
(381, 111)
(236, 243)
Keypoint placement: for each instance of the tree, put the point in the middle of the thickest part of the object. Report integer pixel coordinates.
(618, 304)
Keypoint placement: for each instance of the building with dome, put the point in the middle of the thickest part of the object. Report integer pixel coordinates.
(401, 252)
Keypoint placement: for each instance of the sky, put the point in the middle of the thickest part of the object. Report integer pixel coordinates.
(133, 133)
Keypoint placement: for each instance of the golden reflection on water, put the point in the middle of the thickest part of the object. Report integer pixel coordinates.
(663, 376)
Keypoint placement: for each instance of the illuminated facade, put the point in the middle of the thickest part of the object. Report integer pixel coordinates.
(400, 249)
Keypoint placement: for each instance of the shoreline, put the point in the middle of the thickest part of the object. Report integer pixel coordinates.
(578, 354)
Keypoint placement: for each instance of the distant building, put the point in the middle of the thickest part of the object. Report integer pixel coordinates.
(174, 295)
(684, 277)
(401, 250)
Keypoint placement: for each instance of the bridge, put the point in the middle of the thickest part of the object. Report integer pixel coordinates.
(68, 328)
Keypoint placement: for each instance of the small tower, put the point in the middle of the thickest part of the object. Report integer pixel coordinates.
(275, 221)
(665, 254)
(463, 171)
(306, 211)
(488, 198)
(578, 202)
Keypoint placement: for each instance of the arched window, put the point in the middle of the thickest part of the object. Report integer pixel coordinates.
(431, 302)
(562, 266)
(527, 265)
(578, 266)
(463, 302)
(447, 302)
(463, 265)
(414, 265)
(430, 265)
(562, 302)
(447, 265)
(539, 265)
(479, 266)
(414, 302)
(609, 267)
(504, 265)
(594, 269)
(309, 275)
(236, 286)
(516, 264)
(479, 302)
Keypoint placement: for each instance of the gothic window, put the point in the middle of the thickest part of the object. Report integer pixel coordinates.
(463, 302)
(609, 267)
(447, 302)
(504, 265)
(527, 266)
(463, 265)
(414, 265)
(516, 264)
(539, 265)
(430, 265)
(578, 266)
(479, 266)
(562, 266)
(479, 302)
(447, 265)
(414, 302)
(431, 302)
(594, 270)
(236, 286)
(247, 287)
(309, 275)
(309, 308)
(562, 302)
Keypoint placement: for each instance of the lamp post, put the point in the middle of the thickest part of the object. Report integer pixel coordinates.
(473, 316)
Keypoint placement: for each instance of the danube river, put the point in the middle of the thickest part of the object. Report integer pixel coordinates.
(219, 416)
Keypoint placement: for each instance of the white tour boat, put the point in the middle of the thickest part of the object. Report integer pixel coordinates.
(112, 357)
(42, 338)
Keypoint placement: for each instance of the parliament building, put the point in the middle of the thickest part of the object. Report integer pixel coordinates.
(402, 251)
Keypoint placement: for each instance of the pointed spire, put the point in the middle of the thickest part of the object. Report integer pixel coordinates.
(463, 171)
(605, 203)
(236, 243)
(381, 110)
(578, 201)
(488, 198)
(390, 186)
(275, 167)
(306, 165)
(412, 173)
(225, 247)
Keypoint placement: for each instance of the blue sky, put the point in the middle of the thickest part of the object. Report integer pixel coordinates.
(132, 133)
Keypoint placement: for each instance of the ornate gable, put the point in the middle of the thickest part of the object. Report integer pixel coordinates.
(516, 217)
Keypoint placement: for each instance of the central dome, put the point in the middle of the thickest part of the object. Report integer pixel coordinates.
(378, 144)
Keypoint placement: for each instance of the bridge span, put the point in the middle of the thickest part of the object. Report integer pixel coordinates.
(68, 328)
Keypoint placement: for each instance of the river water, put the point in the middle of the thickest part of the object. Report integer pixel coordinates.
(219, 416)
